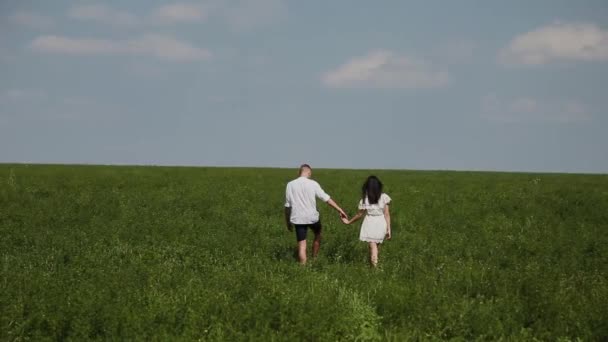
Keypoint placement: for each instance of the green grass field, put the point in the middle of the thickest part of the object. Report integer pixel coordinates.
(161, 253)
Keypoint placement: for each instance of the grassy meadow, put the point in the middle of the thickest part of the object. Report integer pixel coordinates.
(180, 253)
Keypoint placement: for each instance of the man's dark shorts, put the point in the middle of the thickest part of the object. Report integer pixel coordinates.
(301, 229)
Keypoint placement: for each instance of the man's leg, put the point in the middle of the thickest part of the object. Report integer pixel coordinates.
(301, 237)
(316, 245)
(302, 251)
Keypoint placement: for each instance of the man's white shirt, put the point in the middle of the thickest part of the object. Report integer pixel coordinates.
(300, 196)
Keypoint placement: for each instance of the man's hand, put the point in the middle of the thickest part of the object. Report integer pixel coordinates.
(290, 227)
(344, 219)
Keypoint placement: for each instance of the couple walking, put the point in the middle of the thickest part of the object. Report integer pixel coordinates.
(301, 212)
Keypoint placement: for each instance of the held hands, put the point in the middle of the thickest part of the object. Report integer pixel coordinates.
(343, 216)
(345, 219)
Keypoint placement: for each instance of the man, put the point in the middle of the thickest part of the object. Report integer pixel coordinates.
(301, 209)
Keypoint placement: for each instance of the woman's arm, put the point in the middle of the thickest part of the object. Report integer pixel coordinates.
(354, 218)
(387, 216)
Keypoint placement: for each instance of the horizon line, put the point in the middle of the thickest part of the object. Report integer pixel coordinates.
(296, 167)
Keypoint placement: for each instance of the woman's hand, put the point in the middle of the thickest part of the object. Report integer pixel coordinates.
(388, 234)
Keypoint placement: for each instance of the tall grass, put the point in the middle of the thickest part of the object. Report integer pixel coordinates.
(100, 252)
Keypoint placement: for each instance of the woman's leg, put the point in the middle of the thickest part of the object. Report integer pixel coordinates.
(373, 253)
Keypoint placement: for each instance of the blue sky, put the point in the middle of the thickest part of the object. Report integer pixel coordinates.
(467, 85)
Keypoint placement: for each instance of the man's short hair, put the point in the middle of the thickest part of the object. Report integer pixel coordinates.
(304, 167)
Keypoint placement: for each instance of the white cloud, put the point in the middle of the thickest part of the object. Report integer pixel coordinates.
(103, 14)
(22, 95)
(167, 47)
(557, 42)
(58, 44)
(527, 109)
(32, 20)
(179, 12)
(384, 69)
(241, 15)
(244, 15)
(160, 46)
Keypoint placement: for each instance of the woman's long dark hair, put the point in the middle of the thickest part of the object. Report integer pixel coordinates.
(372, 189)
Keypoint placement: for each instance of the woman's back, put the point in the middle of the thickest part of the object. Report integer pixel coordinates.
(376, 209)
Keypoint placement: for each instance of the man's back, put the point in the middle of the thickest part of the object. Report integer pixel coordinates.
(300, 196)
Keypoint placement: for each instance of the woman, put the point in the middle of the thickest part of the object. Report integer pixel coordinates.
(377, 222)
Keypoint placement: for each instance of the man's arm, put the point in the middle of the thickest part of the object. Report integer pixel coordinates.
(334, 205)
(323, 196)
(288, 218)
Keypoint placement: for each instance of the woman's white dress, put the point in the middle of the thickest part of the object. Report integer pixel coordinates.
(373, 228)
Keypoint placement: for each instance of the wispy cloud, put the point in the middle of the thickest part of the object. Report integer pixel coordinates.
(385, 69)
(167, 14)
(557, 42)
(528, 109)
(240, 15)
(103, 14)
(22, 95)
(32, 20)
(160, 46)
(244, 15)
(179, 12)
